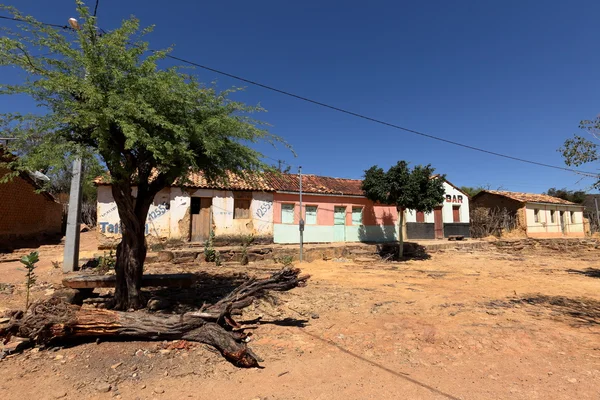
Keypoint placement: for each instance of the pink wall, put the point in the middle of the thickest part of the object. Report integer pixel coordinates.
(372, 214)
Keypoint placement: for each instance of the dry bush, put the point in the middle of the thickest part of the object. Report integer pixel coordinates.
(492, 222)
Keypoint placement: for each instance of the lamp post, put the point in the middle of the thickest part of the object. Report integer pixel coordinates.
(71, 254)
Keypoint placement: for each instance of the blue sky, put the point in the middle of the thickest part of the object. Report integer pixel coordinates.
(515, 77)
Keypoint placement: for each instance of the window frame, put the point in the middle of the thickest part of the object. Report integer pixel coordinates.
(316, 214)
(419, 214)
(572, 217)
(536, 215)
(293, 209)
(361, 208)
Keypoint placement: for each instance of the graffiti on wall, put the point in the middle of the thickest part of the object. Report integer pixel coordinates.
(115, 228)
(263, 209)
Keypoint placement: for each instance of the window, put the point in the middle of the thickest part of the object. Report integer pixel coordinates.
(310, 217)
(241, 208)
(287, 213)
(553, 216)
(572, 217)
(456, 213)
(536, 215)
(357, 218)
(420, 216)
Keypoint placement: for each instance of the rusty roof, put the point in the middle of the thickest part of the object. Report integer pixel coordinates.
(529, 197)
(271, 182)
(315, 184)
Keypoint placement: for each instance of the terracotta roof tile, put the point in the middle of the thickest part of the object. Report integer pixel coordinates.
(272, 182)
(529, 197)
(315, 184)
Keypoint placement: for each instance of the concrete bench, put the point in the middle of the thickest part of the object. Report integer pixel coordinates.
(108, 281)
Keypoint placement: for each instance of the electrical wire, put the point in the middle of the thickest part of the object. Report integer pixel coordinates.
(362, 116)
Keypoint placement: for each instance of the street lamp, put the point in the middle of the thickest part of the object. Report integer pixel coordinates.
(74, 24)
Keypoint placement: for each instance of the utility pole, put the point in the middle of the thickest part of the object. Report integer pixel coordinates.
(301, 221)
(71, 255)
(597, 212)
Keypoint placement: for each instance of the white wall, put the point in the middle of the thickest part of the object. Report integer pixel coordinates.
(545, 226)
(167, 215)
(456, 198)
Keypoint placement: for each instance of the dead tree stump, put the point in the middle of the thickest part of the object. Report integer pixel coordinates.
(214, 325)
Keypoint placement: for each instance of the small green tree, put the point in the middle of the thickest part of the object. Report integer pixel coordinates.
(580, 150)
(104, 95)
(29, 261)
(417, 189)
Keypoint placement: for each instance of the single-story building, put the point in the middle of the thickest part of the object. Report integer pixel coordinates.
(27, 213)
(538, 215)
(193, 210)
(268, 206)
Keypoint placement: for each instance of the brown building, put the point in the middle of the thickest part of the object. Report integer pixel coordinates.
(25, 213)
(538, 215)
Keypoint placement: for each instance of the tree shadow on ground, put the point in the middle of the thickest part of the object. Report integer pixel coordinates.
(30, 243)
(589, 272)
(384, 236)
(207, 288)
(581, 311)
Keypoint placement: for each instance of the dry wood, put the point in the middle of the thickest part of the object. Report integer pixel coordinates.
(54, 319)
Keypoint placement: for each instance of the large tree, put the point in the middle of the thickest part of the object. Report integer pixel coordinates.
(103, 94)
(417, 189)
(580, 150)
(574, 196)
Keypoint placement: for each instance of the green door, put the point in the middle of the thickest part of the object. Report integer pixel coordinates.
(339, 224)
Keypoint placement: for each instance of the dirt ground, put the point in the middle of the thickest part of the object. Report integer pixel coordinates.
(463, 324)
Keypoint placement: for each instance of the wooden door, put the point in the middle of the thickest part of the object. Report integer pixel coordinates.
(339, 224)
(438, 223)
(456, 213)
(201, 218)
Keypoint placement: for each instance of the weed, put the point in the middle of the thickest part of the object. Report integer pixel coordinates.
(246, 242)
(29, 261)
(106, 262)
(285, 260)
(210, 254)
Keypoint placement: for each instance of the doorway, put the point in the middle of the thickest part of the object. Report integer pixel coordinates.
(339, 224)
(201, 218)
(438, 223)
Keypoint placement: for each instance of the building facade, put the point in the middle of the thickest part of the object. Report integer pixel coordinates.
(27, 214)
(537, 215)
(268, 206)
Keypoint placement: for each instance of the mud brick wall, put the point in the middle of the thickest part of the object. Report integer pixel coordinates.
(26, 214)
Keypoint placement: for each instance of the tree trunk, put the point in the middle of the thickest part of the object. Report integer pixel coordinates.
(400, 233)
(131, 251)
(54, 319)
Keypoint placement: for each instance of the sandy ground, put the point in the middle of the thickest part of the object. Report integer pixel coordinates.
(461, 325)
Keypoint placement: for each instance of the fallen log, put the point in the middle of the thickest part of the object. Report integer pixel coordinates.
(53, 320)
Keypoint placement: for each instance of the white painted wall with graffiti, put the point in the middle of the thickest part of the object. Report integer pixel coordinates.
(453, 198)
(169, 215)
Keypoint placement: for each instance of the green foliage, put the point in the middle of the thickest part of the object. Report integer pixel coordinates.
(415, 189)
(29, 261)
(580, 150)
(286, 260)
(246, 242)
(104, 97)
(106, 262)
(472, 191)
(574, 196)
(210, 254)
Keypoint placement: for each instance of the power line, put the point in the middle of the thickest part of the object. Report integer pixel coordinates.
(33, 23)
(362, 116)
(381, 122)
